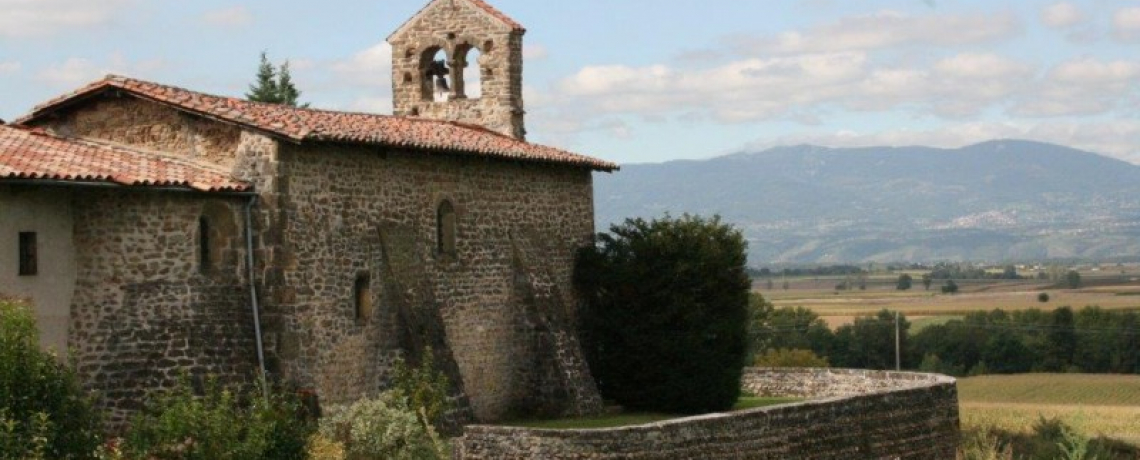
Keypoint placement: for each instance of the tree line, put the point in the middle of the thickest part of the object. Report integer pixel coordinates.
(1091, 340)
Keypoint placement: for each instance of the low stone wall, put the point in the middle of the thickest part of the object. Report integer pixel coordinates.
(852, 414)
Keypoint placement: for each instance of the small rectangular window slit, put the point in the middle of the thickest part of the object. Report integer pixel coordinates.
(28, 256)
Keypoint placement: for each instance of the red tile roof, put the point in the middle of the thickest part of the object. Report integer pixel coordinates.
(32, 154)
(301, 125)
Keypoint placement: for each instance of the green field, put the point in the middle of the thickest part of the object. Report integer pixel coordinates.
(1106, 405)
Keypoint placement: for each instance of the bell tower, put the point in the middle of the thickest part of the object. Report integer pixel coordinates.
(436, 75)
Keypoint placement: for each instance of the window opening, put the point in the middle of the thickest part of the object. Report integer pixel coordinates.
(362, 297)
(29, 265)
(445, 229)
(436, 79)
(204, 260)
(473, 74)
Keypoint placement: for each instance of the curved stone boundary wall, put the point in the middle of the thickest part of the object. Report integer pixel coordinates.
(853, 414)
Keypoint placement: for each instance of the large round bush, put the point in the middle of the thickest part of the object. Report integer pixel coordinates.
(666, 310)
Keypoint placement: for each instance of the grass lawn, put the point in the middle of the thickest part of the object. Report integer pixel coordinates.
(1093, 404)
(618, 420)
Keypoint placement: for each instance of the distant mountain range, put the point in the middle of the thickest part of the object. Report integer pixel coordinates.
(995, 201)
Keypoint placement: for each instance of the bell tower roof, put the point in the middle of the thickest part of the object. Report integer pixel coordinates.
(491, 11)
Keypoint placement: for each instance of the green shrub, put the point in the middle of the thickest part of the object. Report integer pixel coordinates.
(385, 427)
(219, 424)
(984, 445)
(783, 357)
(44, 412)
(665, 320)
(424, 387)
(1048, 439)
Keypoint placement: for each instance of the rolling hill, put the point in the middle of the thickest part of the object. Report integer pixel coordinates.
(994, 201)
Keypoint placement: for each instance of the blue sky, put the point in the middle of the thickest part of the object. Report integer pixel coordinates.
(647, 81)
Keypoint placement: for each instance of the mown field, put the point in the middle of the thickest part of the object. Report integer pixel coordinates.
(1106, 405)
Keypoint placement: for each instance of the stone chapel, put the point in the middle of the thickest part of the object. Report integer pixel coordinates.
(159, 230)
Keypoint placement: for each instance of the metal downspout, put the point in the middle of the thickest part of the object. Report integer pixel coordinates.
(253, 294)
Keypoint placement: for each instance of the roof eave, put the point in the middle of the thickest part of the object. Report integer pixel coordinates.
(71, 100)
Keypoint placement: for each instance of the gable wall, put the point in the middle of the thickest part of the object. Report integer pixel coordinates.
(140, 123)
(354, 210)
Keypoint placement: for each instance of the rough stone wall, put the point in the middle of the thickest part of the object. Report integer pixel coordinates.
(827, 383)
(360, 211)
(145, 124)
(898, 417)
(456, 26)
(144, 312)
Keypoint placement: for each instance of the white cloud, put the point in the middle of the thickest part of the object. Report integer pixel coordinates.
(1117, 139)
(361, 82)
(795, 88)
(40, 18)
(1084, 86)
(981, 66)
(371, 67)
(887, 29)
(236, 16)
(9, 67)
(77, 71)
(1062, 15)
(738, 91)
(1126, 24)
(535, 52)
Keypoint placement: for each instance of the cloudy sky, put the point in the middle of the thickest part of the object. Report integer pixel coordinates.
(650, 80)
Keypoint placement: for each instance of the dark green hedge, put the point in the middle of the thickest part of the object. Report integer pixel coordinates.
(666, 310)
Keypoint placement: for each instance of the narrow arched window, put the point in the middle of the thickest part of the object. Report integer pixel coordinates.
(204, 259)
(445, 229)
(469, 79)
(362, 297)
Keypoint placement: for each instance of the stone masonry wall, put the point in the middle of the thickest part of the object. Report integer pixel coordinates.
(887, 416)
(144, 124)
(351, 212)
(456, 26)
(144, 312)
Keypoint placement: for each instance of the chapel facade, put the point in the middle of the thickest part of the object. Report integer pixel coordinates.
(173, 231)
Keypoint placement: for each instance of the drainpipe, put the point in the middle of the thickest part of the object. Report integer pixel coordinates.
(253, 294)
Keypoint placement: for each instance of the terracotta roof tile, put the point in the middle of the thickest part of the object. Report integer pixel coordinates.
(301, 125)
(32, 154)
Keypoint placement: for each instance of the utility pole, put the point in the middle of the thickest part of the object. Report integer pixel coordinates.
(898, 351)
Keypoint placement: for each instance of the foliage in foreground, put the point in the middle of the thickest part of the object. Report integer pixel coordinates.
(425, 388)
(221, 423)
(399, 424)
(1049, 439)
(665, 321)
(44, 412)
(385, 427)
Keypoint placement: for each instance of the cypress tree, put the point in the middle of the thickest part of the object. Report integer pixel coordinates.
(265, 89)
